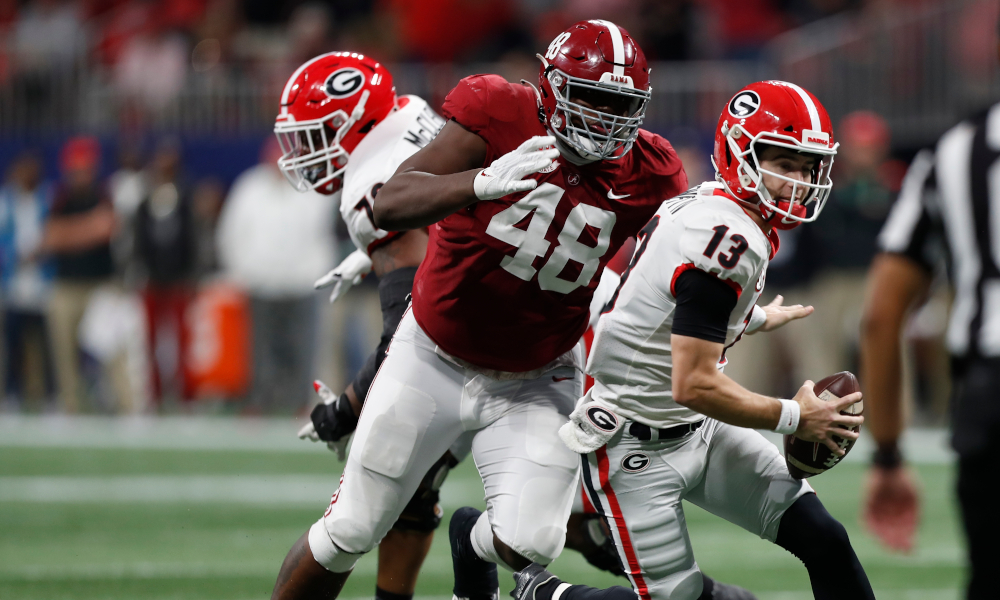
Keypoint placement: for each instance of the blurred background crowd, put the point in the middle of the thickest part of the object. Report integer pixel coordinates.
(153, 258)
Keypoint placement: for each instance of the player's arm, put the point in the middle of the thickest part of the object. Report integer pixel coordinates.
(433, 183)
(704, 306)
(447, 175)
(895, 285)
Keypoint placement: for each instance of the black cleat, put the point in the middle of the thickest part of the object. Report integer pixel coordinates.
(724, 591)
(475, 579)
(527, 582)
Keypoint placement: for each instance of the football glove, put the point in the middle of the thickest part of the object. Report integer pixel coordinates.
(347, 274)
(332, 422)
(506, 174)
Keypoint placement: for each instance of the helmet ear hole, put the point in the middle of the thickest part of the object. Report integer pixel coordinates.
(729, 157)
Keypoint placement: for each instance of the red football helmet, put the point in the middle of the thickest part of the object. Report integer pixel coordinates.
(327, 107)
(775, 113)
(597, 63)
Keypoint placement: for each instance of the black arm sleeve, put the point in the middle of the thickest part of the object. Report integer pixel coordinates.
(704, 305)
(393, 292)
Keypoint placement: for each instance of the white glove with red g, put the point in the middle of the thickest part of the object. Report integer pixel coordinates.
(506, 174)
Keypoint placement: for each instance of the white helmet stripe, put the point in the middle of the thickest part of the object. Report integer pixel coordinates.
(810, 106)
(618, 44)
(294, 77)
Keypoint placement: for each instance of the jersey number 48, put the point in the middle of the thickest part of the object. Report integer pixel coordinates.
(531, 243)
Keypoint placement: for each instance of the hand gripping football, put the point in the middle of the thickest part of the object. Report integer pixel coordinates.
(805, 459)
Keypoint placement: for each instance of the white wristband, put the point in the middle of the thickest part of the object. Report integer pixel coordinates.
(479, 184)
(788, 422)
(757, 319)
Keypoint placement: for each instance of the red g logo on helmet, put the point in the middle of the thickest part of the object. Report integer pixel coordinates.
(744, 104)
(775, 113)
(344, 83)
(328, 105)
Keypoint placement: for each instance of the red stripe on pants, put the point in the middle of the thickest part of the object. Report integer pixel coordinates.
(616, 512)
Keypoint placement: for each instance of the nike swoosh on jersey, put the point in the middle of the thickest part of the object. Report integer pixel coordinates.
(613, 196)
(558, 379)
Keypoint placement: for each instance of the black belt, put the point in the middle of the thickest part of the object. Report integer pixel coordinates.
(647, 433)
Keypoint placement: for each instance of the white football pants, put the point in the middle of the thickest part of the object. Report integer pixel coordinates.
(731, 472)
(419, 405)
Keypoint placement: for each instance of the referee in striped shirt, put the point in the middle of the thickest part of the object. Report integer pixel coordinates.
(948, 212)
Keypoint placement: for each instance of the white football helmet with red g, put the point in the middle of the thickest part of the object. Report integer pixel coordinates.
(598, 63)
(775, 113)
(328, 105)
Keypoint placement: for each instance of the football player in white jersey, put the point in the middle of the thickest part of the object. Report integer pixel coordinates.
(343, 131)
(662, 422)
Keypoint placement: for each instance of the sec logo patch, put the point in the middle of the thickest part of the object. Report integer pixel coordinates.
(605, 420)
(635, 462)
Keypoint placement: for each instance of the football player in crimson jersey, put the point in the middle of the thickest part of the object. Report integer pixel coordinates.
(662, 422)
(489, 351)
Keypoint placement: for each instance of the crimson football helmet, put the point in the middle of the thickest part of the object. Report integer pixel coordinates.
(599, 64)
(328, 105)
(775, 113)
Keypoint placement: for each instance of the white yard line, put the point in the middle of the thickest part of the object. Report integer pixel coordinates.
(922, 446)
(366, 567)
(938, 594)
(284, 490)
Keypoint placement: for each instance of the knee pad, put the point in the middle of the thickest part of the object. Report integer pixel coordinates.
(332, 557)
(422, 512)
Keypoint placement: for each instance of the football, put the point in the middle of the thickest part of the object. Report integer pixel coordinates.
(805, 459)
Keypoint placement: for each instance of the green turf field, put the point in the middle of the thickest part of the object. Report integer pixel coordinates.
(95, 509)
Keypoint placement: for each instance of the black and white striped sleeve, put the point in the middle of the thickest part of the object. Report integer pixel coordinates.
(913, 228)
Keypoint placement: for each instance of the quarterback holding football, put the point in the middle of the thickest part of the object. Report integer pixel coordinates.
(662, 422)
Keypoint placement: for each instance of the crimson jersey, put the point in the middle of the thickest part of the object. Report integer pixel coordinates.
(506, 284)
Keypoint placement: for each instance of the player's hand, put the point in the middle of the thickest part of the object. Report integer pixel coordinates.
(347, 274)
(506, 174)
(332, 422)
(778, 315)
(819, 420)
(892, 507)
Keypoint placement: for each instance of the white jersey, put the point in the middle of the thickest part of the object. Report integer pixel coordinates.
(630, 357)
(376, 158)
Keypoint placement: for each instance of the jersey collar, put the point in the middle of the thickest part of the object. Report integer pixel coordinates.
(717, 189)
